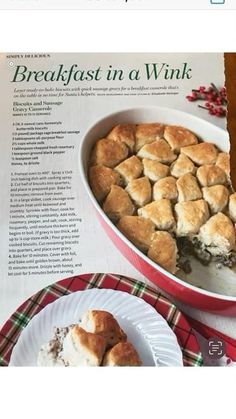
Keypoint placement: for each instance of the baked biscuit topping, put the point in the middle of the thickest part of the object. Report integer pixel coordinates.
(158, 150)
(101, 180)
(160, 212)
(155, 170)
(182, 166)
(166, 189)
(163, 251)
(125, 207)
(210, 175)
(178, 137)
(202, 153)
(147, 133)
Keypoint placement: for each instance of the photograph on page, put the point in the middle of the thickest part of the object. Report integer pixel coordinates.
(118, 210)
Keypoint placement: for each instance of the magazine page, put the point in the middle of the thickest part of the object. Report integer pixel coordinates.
(117, 164)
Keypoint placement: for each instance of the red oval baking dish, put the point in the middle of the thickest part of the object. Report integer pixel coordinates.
(206, 288)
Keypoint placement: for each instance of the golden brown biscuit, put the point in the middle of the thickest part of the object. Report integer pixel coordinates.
(202, 153)
(103, 323)
(140, 191)
(160, 213)
(158, 150)
(188, 188)
(182, 166)
(232, 207)
(155, 170)
(101, 179)
(122, 355)
(108, 152)
(138, 230)
(217, 197)
(118, 204)
(130, 168)
(218, 235)
(191, 215)
(163, 251)
(210, 175)
(223, 161)
(178, 137)
(81, 348)
(165, 189)
(124, 133)
(147, 133)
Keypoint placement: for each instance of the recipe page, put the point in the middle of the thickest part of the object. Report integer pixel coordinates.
(85, 191)
(49, 227)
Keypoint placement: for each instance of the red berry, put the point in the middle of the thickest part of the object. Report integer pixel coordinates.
(222, 111)
(209, 96)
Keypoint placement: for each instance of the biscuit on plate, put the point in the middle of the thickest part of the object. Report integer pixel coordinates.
(122, 355)
(81, 348)
(103, 323)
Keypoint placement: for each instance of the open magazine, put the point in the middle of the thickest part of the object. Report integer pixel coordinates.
(116, 164)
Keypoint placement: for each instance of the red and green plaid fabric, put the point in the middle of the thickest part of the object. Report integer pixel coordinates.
(14, 326)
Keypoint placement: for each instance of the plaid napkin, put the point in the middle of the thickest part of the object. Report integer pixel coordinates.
(176, 320)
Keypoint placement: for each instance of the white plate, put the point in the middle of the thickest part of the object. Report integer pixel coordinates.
(146, 329)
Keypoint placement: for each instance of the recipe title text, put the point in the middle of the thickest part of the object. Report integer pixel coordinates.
(150, 71)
